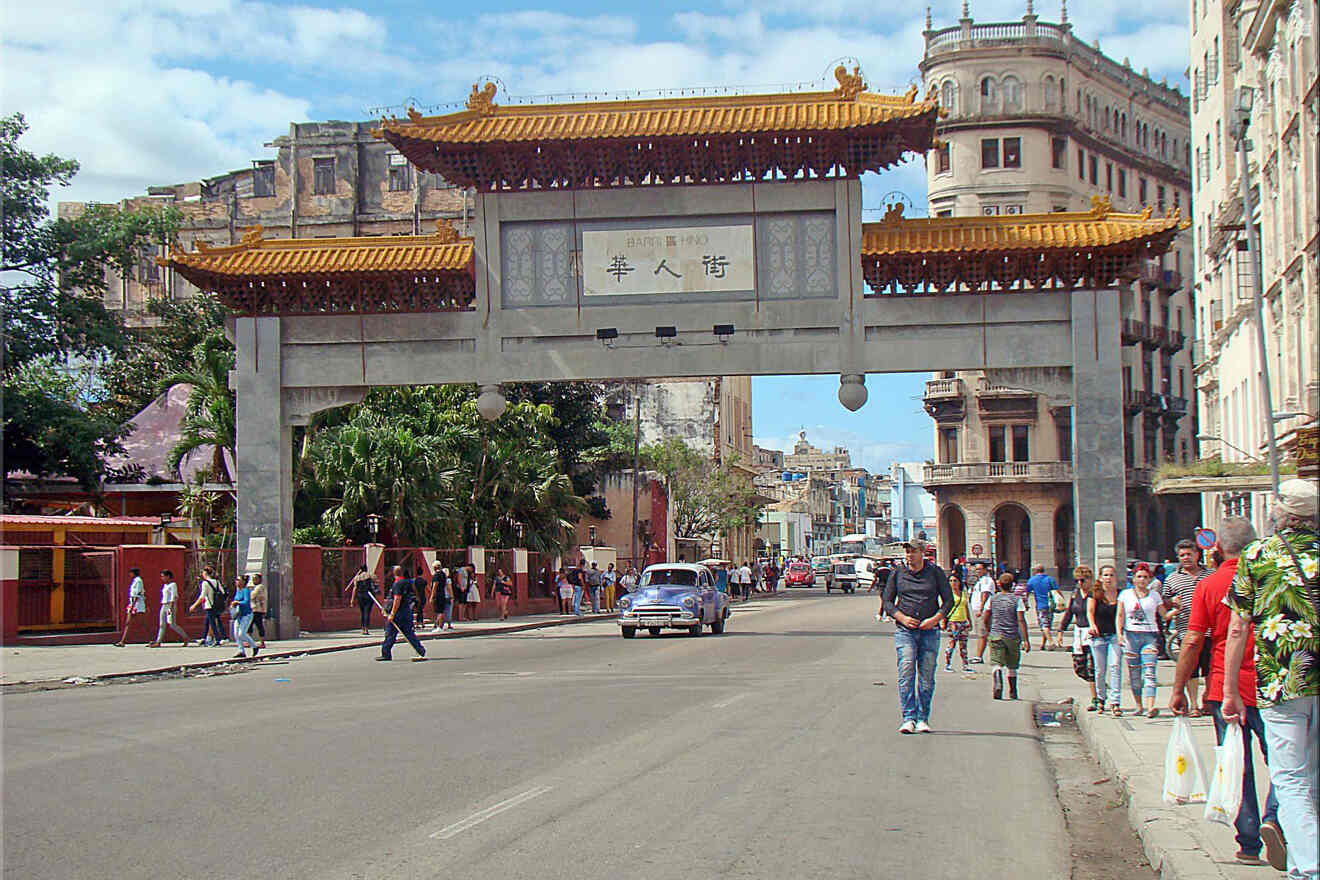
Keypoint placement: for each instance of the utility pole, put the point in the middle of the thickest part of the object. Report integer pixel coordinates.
(637, 449)
(1243, 110)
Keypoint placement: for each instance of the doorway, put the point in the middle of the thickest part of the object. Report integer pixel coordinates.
(952, 534)
(1013, 536)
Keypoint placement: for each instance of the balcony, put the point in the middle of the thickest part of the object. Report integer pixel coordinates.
(1172, 341)
(1004, 402)
(1139, 476)
(1134, 331)
(976, 473)
(944, 400)
(1150, 273)
(1134, 401)
(1170, 280)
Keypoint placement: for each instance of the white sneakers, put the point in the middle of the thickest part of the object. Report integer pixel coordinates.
(914, 727)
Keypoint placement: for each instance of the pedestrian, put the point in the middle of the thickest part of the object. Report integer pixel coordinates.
(258, 602)
(918, 598)
(1277, 586)
(578, 580)
(240, 613)
(362, 589)
(722, 577)
(1180, 589)
(609, 580)
(594, 581)
(757, 574)
(420, 584)
(169, 594)
(473, 592)
(1140, 606)
(503, 593)
(457, 592)
(1041, 585)
(957, 624)
(565, 592)
(1207, 633)
(1074, 615)
(1005, 618)
(210, 598)
(982, 590)
(629, 581)
(137, 604)
(399, 618)
(745, 580)
(440, 598)
(1106, 657)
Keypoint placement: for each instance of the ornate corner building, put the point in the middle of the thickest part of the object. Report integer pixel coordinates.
(1039, 122)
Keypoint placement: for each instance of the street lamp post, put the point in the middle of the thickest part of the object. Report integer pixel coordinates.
(1204, 437)
(1245, 95)
(373, 525)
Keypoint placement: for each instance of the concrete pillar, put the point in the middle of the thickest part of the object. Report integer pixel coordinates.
(1042, 535)
(1099, 491)
(264, 459)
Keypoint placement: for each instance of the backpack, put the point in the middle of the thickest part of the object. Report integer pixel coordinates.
(218, 597)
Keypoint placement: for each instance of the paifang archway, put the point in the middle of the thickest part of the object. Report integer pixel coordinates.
(672, 237)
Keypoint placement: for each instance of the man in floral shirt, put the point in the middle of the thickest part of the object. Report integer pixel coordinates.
(1279, 594)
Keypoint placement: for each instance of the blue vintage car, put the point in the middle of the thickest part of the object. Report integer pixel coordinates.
(674, 595)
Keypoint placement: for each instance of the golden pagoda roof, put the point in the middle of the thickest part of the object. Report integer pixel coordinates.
(1100, 227)
(486, 122)
(257, 257)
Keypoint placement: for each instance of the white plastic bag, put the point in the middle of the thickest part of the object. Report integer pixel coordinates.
(1184, 774)
(1225, 797)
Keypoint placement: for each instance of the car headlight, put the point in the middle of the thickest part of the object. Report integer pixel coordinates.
(625, 602)
(689, 601)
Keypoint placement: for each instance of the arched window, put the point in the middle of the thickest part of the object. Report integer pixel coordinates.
(1115, 127)
(989, 95)
(949, 95)
(1050, 92)
(1123, 129)
(1014, 94)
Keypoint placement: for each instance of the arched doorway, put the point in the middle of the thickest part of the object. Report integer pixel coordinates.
(1013, 536)
(1065, 554)
(952, 534)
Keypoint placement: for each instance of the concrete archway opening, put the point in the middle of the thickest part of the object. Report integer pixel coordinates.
(1065, 553)
(952, 534)
(1013, 536)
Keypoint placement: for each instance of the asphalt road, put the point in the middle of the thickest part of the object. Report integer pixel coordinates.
(770, 751)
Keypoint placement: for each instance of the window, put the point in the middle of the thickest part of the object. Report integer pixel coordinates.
(1051, 93)
(148, 271)
(942, 163)
(263, 178)
(990, 153)
(1012, 152)
(1109, 176)
(947, 212)
(998, 443)
(989, 95)
(1021, 449)
(949, 95)
(323, 177)
(1064, 431)
(400, 176)
(1159, 198)
(1122, 184)
(1196, 90)
(1141, 190)
(948, 445)
(1059, 209)
(1081, 164)
(1094, 167)
(1013, 94)
(1058, 152)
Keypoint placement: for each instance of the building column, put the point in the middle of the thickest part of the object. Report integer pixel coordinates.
(1099, 489)
(1042, 534)
(264, 461)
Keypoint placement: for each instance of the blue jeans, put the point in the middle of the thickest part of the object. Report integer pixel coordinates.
(1248, 817)
(213, 628)
(1291, 730)
(918, 652)
(595, 600)
(1143, 655)
(577, 599)
(1108, 670)
(241, 637)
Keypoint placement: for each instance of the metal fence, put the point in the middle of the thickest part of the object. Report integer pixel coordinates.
(81, 596)
(338, 565)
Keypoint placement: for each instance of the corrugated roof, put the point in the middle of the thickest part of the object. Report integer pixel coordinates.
(11, 519)
(1097, 228)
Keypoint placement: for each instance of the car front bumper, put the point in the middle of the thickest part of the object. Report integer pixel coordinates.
(670, 619)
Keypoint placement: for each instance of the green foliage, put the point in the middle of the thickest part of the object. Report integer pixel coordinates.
(704, 499)
(209, 422)
(1216, 467)
(210, 510)
(318, 533)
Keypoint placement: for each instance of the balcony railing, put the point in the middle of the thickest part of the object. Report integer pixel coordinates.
(1173, 340)
(1170, 280)
(944, 388)
(1134, 331)
(1139, 476)
(1150, 273)
(998, 471)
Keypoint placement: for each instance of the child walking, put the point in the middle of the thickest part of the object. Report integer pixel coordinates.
(1005, 618)
(958, 625)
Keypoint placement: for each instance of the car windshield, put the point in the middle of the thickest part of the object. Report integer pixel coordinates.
(678, 577)
(799, 567)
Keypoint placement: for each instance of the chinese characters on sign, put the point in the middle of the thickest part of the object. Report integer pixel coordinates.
(701, 259)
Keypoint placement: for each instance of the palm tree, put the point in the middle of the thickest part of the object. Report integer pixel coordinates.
(209, 420)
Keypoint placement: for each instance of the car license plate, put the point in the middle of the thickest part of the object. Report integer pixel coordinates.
(655, 621)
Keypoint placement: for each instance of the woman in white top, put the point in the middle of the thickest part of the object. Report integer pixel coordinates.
(1139, 610)
(169, 594)
(137, 604)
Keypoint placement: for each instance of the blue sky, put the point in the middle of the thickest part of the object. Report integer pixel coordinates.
(148, 92)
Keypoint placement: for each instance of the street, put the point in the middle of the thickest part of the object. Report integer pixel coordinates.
(770, 751)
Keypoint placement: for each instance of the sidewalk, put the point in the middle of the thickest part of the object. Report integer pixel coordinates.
(56, 664)
(1179, 843)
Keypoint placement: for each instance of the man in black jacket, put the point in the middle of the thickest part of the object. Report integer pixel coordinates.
(918, 598)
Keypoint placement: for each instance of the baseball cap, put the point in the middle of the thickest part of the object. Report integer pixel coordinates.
(1298, 497)
(915, 544)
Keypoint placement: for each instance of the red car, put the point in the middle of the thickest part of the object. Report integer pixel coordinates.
(799, 574)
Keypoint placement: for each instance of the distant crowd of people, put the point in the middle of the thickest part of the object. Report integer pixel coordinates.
(245, 603)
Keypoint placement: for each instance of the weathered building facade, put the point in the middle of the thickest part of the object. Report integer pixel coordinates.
(1040, 122)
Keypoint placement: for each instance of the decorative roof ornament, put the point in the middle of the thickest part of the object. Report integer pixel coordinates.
(1031, 8)
(911, 94)
(928, 21)
(252, 235)
(1145, 215)
(414, 114)
(445, 232)
(1063, 12)
(1100, 206)
(482, 100)
(966, 12)
(851, 84)
(894, 214)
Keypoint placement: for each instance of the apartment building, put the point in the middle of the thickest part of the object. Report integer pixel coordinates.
(1039, 121)
(1270, 49)
(326, 180)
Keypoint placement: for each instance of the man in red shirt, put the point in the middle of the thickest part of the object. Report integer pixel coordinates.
(1210, 618)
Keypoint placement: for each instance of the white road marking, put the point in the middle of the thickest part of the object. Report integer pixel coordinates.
(494, 810)
(729, 702)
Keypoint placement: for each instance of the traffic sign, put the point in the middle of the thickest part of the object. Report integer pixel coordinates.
(1206, 538)
(977, 549)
